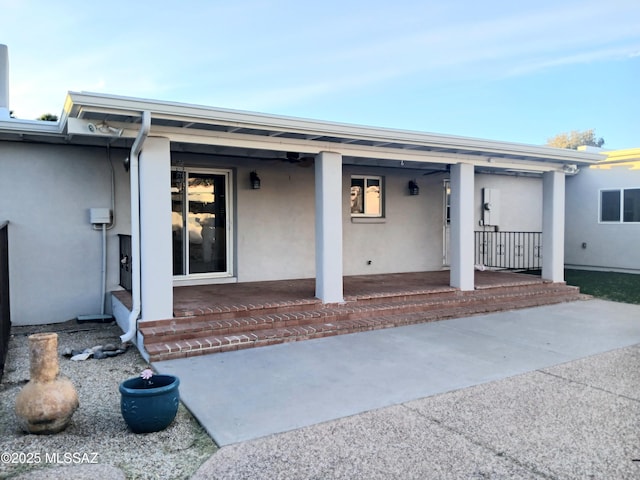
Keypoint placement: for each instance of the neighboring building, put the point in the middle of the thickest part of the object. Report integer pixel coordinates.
(603, 214)
(333, 200)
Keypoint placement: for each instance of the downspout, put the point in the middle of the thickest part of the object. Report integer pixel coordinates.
(5, 112)
(134, 167)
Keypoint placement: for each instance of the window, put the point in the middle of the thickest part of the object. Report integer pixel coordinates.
(610, 206)
(620, 205)
(366, 196)
(631, 204)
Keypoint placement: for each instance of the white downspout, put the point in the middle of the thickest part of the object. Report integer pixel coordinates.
(134, 165)
(4, 83)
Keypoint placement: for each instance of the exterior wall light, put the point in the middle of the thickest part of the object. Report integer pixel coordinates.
(255, 180)
(413, 188)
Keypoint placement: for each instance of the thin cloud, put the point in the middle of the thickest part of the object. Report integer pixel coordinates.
(578, 58)
(509, 45)
(269, 54)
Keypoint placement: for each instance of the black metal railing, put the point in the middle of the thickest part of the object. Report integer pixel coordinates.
(5, 310)
(125, 261)
(509, 250)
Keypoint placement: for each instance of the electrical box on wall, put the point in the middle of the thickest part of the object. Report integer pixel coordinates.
(490, 206)
(100, 216)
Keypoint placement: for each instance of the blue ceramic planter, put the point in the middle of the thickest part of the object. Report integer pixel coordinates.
(149, 408)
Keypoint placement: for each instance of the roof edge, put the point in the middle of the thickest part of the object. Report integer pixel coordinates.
(133, 106)
(31, 126)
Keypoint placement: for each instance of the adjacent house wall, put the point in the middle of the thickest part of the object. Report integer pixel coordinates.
(46, 192)
(608, 246)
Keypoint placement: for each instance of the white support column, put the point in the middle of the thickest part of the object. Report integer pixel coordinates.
(155, 230)
(462, 218)
(553, 185)
(328, 176)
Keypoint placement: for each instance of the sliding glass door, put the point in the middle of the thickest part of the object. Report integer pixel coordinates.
(200, 210)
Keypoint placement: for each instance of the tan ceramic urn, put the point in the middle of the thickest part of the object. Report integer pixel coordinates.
(47, 402)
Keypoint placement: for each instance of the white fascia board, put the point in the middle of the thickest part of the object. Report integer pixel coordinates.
(30, 127)
(236, 118)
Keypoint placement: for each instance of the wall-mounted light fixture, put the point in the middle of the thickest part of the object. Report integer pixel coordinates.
(413, 188)
(255, 180)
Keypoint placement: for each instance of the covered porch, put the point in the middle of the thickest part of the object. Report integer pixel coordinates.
(204, 225)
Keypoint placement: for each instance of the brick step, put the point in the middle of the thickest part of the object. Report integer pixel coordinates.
(226, 312)
(208, 342)
(445, 292)
(194, 327)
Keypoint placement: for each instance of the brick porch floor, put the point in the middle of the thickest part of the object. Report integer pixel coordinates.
(218, 318)
(199, 299)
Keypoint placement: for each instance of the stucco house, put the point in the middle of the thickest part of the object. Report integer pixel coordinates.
(603, 213)
(187, 195)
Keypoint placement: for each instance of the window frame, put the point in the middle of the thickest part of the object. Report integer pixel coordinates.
(621, 206)
(365, 179)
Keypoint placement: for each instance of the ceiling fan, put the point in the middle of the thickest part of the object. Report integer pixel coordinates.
(298, 159)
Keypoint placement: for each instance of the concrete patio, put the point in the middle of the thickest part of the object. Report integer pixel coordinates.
(249, 394)
(573, 421)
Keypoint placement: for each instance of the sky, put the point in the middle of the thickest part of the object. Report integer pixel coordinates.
(501, 70)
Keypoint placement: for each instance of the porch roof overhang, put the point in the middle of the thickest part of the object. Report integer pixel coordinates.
(99, 119)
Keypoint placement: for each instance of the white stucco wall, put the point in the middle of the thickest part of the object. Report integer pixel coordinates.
(46, 192)
(275, 224)
(608, 246)
(520, 201)
(408, 239)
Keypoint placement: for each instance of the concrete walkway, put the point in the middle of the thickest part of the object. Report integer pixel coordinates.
(245, 395)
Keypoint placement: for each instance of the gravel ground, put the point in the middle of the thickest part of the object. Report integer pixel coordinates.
(97, 443)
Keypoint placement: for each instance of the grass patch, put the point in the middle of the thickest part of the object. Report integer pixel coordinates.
(614, 286)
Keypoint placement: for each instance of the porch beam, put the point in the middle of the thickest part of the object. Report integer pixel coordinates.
(553, 191)
(351, 150)
(462, 218)
(328, 210)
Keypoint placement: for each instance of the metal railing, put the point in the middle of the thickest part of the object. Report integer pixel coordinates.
(5, 310)
(509, 250)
